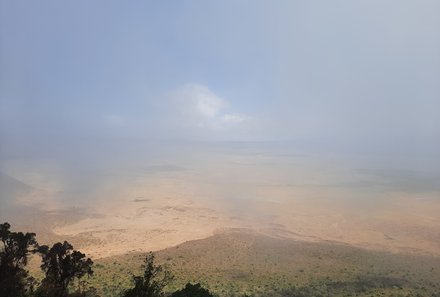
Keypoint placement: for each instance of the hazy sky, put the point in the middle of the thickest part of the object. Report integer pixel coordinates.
(339, 74)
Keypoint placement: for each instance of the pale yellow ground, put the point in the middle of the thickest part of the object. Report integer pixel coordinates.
(284, 196)
(165, 211)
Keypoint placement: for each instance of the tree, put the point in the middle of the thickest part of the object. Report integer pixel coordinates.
(14, 252)
(152, 283)
(191, 290)
(62, 265)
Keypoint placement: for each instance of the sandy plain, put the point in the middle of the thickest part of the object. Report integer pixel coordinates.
(157, 206)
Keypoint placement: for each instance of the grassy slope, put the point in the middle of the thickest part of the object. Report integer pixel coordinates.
(243, 262)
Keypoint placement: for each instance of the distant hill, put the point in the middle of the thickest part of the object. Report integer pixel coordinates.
(11, 188)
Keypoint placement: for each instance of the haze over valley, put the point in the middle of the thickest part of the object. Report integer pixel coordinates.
(192, 193)
(267, 148)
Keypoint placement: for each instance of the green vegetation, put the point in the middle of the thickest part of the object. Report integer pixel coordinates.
(62, 265)
(234, 264)
(239, 263)
(191, 290)
(17, 246)
(153, 281)
(64, 269)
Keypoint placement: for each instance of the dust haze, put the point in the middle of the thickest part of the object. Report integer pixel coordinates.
(135, 128)
(179, 192)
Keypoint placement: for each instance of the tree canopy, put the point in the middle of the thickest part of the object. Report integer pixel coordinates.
(62, 264)
(191, 290)
(152, 283)
(14, 252)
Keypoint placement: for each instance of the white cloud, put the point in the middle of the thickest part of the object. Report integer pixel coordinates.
(206, 102)
(200, 107)
(233, 118)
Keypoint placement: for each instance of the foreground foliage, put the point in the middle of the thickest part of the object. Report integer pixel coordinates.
(62, 265)
(191, 290)
(152, 282)
(17, 246)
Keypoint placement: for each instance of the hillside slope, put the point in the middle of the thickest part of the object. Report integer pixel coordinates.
(240, 261)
